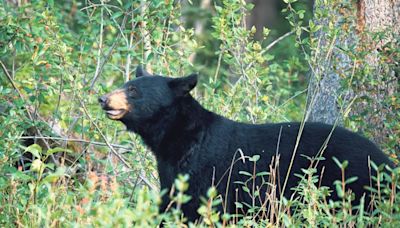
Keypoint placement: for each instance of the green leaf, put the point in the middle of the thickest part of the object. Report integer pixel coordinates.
(345, 164)
(351, 180)
(18, 175)
(264, 173)
(238, 205)
(37, 165)
(116, 15)
(245, 173)
(246, 189)
(255, 158)
(212, 192)
(337, 162)
(56, 150)
(52, 177)
(50, 3)
(374, 166)
(35, 150)
(339, 189)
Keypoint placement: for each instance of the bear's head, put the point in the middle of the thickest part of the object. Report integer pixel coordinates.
(142, 98)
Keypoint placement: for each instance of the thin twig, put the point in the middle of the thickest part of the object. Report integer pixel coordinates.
(99, 5)
(10, 78)
(100, 51)
(126, 164)
(146, 34)
(105, 59)
(103, 136)
(26, 108)
(76, 140)
(113, 46)
(219, 64)
(128, 57)
(278, 40)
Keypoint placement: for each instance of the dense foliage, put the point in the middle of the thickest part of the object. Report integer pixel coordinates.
(63, 163)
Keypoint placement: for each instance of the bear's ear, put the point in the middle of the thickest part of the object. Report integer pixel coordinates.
(182, 86)
(141, 72)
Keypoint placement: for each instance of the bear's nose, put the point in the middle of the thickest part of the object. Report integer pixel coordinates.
(102, 100)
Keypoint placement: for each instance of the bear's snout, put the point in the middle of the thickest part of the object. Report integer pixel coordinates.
(103, 101)
(115, 104)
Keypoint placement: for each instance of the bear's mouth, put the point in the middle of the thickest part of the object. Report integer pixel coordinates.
(115, 104)
(115, 114)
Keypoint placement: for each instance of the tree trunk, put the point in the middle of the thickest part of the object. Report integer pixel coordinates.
(380, 16)
(370, 26)
(327, 66)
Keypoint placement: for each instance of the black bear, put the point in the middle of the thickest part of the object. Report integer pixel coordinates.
(188, 139)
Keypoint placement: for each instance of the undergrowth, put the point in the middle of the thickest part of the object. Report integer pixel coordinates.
(63, 164)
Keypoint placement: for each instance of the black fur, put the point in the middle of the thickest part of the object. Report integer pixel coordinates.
(186, 138)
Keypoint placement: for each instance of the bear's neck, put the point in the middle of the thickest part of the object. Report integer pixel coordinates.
(176, 130)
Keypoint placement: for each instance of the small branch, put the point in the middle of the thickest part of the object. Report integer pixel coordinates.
(103, 62)
(278, 40)
(103, 136)
(26, 108)
(76, 140)
(10, 78)
(126, 164)
(219, 64)
(98, 66)
(128, 57)
(145, 33)
(99, 5)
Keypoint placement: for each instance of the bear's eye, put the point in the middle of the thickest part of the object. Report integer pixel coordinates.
(132, 91)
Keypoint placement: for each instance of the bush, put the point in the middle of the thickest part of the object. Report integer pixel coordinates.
(64, 164)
